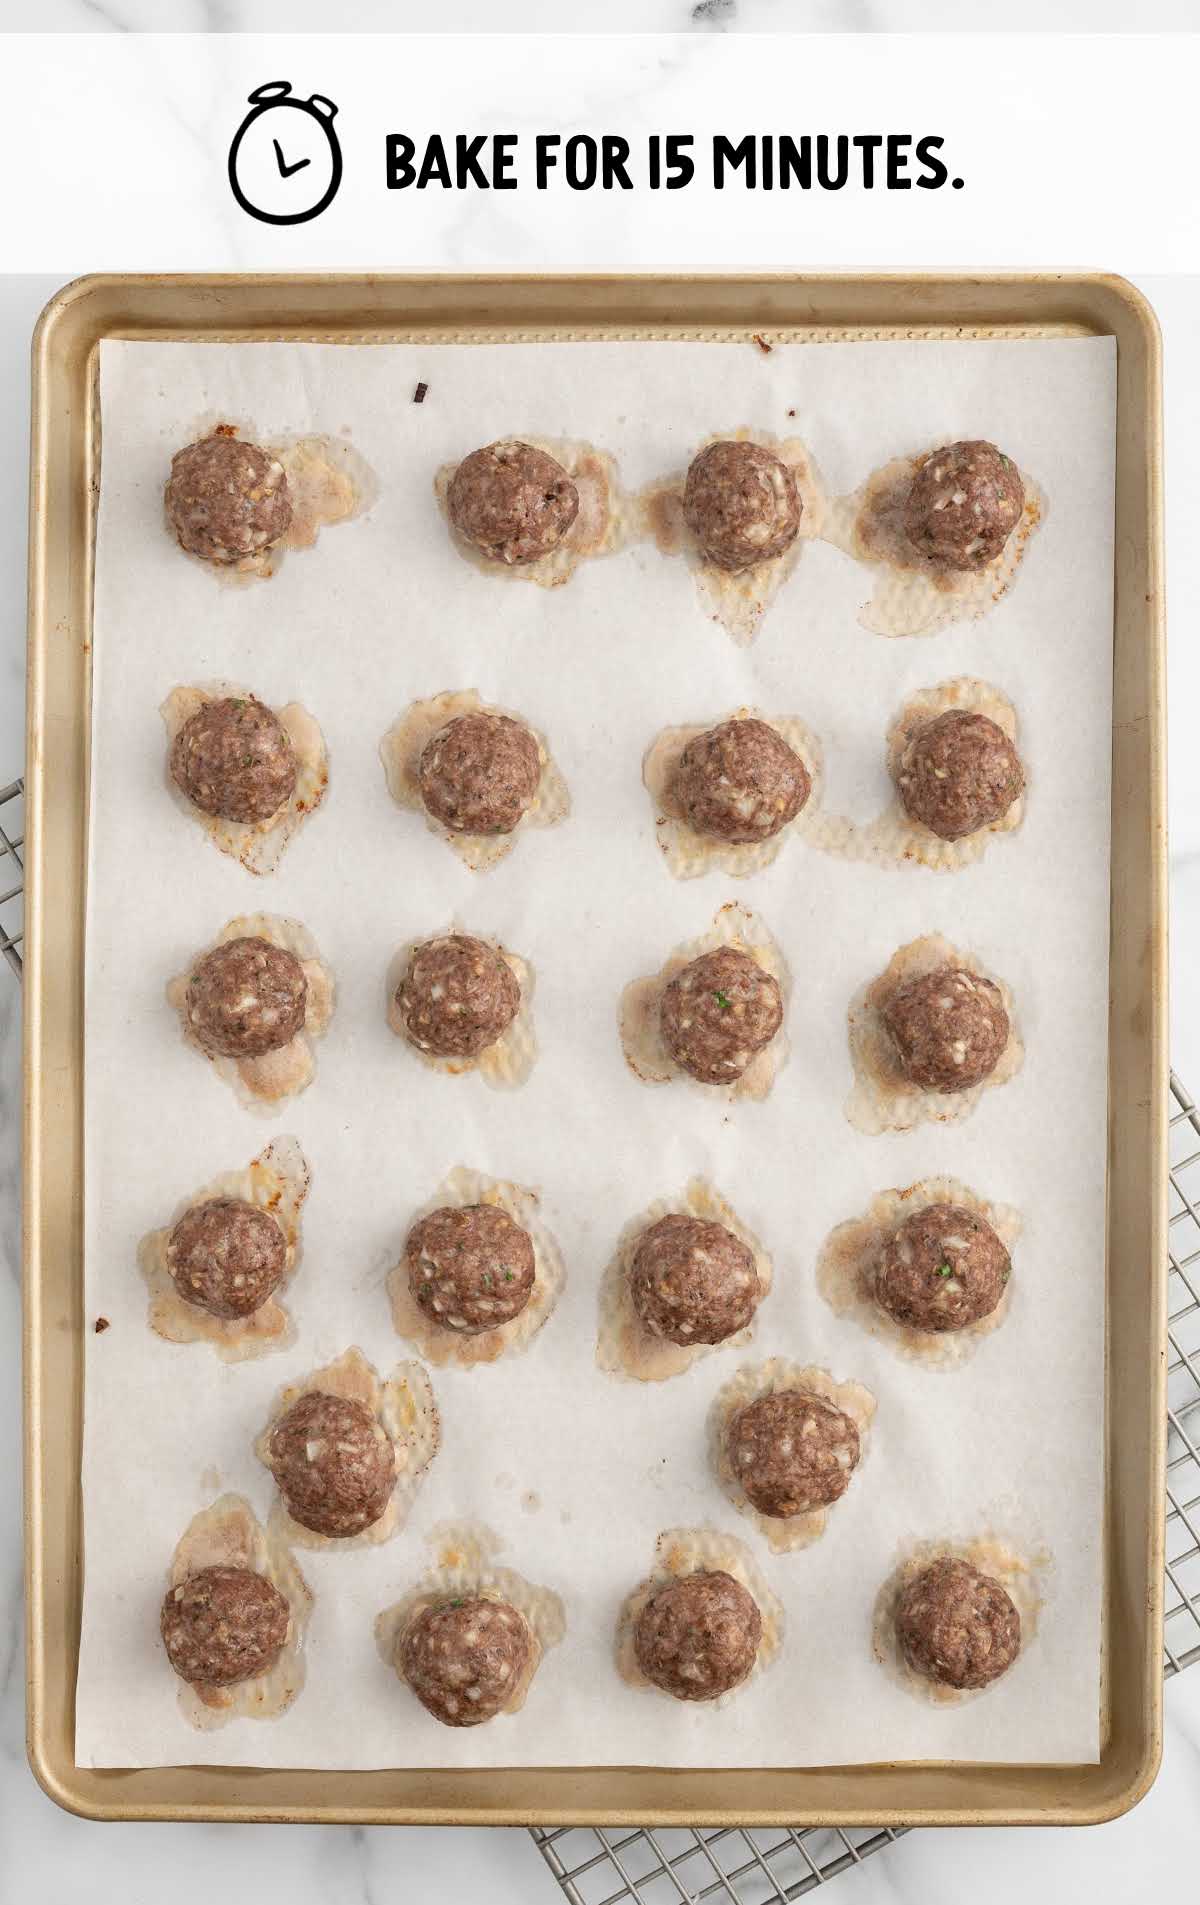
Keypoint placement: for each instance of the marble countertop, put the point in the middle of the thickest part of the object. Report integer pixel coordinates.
(44, 1850)
(616, 16)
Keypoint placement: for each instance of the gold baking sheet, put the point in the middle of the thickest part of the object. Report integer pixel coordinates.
(63, 482)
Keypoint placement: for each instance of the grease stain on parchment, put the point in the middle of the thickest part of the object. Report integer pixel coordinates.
(262, 1083)
(276, 1181)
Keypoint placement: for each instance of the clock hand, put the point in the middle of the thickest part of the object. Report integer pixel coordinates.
(285, 171)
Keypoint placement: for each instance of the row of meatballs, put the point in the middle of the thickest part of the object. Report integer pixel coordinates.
(228, 500)
(471, 1268)
(458, 996)
(740, 782)
(696, 1638)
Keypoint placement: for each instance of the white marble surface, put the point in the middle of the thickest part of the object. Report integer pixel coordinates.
(43, 1853)
(613, 16)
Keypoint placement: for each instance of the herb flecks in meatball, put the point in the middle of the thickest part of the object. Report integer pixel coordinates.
(480, 773)
(226, 1256)
(233, 759)
(943, 1269)
(470, 1268)
(957, 1625)
(949, 1029)
(741, 504)
(718, 1013)
(247, 997)
(222, 1625)
(333, 1464)
(960, 772)
(697, 1637)
(512, 502)
(792, 1452)
(457, 997)
(693, 1281)
(227, 500)
(741, 782)
(464, 1658)
(965, 501)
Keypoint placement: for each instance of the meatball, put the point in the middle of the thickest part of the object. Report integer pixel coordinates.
(949, 1028)
(333, 1464)
(957, 1626)
(792, 1452)
(221, 1625)
(227, 500)
(469, 1269)
(247, 997)
(693, 1281)
(457, 997)
(718, 1013)
(944, 1268)
(480, 772)
(697, 1637)
(960, 772)
(233, 759)
(741, 504)
(741, 782)
(514, 503)
(226, 1256)
(964, 503)
(464, 1658)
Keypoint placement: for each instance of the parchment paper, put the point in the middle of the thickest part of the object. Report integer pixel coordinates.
(578, 1471)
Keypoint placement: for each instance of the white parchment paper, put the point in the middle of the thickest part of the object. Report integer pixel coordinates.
(578, 1471)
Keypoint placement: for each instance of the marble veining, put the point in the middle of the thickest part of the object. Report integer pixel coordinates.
(614, 16)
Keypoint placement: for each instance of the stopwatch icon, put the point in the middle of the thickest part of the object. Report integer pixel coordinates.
(285, 163)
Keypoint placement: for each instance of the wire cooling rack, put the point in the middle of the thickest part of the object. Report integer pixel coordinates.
(731, 1865)
(1181, 1635)
(12, 876)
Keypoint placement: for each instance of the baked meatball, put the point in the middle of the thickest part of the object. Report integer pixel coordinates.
(949, 1028)
(957, 1626)
(741, 504)
(792, 1452)
(226, 1256)
(960, 772)
(226, 499)
(965, 501)
(233, 759)
(333, 1464)
(741, 782)
(698, 1636)
(480, 772)
(693, 1281)
(247, 997)
(222, 1625)
(514, 503)
(469, 1269)
(944, 1268)
(457, 997)
(718, 1013)
(464, 1658)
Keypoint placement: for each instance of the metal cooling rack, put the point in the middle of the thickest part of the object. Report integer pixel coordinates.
(731, 1865)
(1181, 1630)
(12, 872)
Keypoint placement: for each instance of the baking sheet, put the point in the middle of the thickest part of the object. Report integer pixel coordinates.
(576, 1471)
